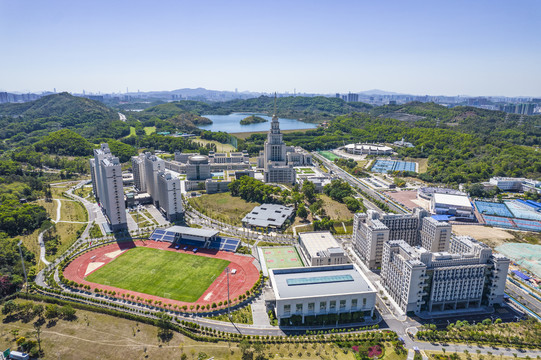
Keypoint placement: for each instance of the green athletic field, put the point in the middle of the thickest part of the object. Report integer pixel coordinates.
(168, 274)
(278, 257)
(329, 155)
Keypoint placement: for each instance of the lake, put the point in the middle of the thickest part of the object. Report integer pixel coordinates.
(231, 123)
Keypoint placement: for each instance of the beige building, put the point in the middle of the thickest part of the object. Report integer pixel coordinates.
(321, 248)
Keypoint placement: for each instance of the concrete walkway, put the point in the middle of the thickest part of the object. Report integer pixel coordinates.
(42, 248)
(259, 313)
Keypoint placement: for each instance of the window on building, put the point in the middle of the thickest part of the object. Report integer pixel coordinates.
(333, 305)
(342, 304)
(364, 302)
(323, 306)
(287, 309)
(311, 306)
(299, 308)
(353, 303)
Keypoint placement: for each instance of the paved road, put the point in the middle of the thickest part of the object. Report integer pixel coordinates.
(523, 297)
(352, 180)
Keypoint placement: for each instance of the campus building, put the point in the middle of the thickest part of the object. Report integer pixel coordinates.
(372, 229)
(268, 216)
(368, 149)
(169, 196)
(470, 276)
(139, 175)
(321, 295)
(273, 158)
(106, 174)
(321, 248)
(455, 205)
(149, 177)
(152, 166)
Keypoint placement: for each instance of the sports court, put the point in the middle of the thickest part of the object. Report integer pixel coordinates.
(329, 155)
(244, 277)
(278, 257)
(386, 166)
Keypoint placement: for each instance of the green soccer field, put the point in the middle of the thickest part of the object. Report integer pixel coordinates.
(329, 155)
(278, 257)
(168, 274)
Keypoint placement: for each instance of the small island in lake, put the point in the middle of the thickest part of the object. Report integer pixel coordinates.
(252, 119)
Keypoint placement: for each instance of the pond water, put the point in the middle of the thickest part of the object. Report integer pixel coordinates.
(231, 123)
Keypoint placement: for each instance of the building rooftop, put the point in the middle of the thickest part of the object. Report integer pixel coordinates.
(267, 215)
(319, 281)
(451, 199)
(319, 241)
(192, 231)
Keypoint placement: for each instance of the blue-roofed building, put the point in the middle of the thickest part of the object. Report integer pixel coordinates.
(321, 295)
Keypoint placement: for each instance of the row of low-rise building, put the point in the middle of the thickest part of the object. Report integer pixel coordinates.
(368, 149)
(516, 184)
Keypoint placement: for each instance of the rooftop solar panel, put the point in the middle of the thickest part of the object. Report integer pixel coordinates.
(319, 280)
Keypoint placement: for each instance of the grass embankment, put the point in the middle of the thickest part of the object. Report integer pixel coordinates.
(223, 206)
(335, 210)
(241, 316)
(73, 211)
(99, 336)
(168, 274)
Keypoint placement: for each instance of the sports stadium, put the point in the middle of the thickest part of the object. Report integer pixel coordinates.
(178, 266)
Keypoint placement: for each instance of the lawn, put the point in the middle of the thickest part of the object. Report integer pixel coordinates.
(335, 210)
(98, 336)
(168, 274)
(281, 257)
(69, 232)
(223, 206)
(149, 129)
(72, 211)
(219, 146)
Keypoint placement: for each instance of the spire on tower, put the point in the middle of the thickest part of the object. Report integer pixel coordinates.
(274, 104)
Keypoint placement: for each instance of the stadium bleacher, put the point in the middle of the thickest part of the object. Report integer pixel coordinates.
(222, 244)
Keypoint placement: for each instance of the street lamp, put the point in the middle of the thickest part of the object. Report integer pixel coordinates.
(22, 262)
(227, 270)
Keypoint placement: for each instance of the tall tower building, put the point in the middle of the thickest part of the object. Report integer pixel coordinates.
(276, 168)
(138, 169)
(153, 165)
(108, 188)
(169, 196)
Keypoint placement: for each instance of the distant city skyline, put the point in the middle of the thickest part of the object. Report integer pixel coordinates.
(482, 48)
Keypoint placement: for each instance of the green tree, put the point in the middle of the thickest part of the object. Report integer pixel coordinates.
(302, 212)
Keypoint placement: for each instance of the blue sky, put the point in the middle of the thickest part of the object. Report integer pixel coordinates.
(419, 47)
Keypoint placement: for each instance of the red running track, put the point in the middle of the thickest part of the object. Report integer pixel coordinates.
(243, 280)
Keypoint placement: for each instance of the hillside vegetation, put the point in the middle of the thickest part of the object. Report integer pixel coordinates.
(26, 123)
(309, 109)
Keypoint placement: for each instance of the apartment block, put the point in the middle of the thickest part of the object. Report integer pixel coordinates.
(423, 281)
(169, 196)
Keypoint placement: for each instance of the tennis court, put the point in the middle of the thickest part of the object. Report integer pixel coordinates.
(278, 257)
(386, 166)
(522, 211)
(490, 208)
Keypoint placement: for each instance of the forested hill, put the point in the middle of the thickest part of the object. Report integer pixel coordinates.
(30, 121)
(523, 130)
(310, 109)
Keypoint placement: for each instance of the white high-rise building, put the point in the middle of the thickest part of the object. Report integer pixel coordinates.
(423, 281)
(108, 188)
(139, 175)
(372, 229)
(152, 166)
(170, 201)
(435, 235)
